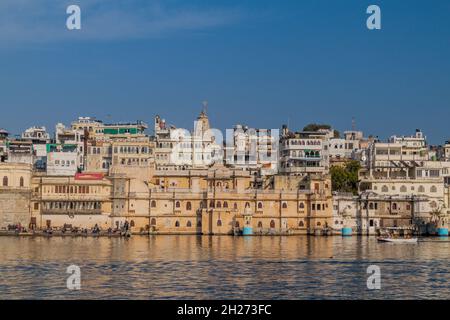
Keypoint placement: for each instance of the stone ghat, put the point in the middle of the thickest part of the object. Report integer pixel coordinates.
(59, 234)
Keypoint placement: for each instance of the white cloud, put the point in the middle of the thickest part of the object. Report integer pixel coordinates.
(43, 21)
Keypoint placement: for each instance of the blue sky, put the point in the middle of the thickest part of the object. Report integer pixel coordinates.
(261, 63)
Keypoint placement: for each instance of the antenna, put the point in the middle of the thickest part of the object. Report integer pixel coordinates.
(205, 106)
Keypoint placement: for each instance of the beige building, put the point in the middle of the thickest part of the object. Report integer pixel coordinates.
(222, 201)
(79, 201)
(98, 156)
(369, 211)
(15, 193)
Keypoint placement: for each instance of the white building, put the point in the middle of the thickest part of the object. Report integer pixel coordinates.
(3, 147)
(71, 137)
(347, 147)
(403, 167)
(20, 151)
(252, 149)
(181, 149)
(38, 135)
(303, 153)
(62, 163)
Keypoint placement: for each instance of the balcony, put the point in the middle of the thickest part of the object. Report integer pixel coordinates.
(306, 158)
(303, 169)
(72, 212)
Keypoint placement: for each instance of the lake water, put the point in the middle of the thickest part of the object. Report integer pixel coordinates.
(222, 267)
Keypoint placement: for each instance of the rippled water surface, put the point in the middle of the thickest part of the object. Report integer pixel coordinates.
(202, 267)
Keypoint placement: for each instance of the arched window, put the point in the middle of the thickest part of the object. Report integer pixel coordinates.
(225, 204)
(272, 224)
(421, 189)
(153, 222)
(199, 223)
(188, 206)
(384, 189)
(219, 223)
(371, 206)
(394, 206)
(211, 204)
(247, 204)
(132, 223)
(235, 206)
(177, 204)
(284, 206)
(301, 224)
(402, 189)
(319, 224)
(301, 205)
(153, 204)
(433, 189)
(21, 182)
(236, 224)
(188, 224)
(260, 224)
(177, 224)
(260, 205)
(219, 204)
(5, 181)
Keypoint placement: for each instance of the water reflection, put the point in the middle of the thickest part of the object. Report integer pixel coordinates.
(196, 267)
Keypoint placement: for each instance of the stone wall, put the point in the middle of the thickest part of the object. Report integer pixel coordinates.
(14, 207)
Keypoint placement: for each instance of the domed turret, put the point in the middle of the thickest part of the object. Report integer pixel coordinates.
(202, 123)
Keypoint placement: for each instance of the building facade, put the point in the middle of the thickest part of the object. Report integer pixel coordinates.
(15, 194)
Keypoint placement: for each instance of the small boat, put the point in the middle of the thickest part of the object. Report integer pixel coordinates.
(397, 240)
(397, 235)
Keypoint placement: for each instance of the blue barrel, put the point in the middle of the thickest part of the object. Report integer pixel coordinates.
(442, 232)
(247, 231)
(346, 232)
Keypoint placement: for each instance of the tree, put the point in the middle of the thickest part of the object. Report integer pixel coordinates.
(345, 179)
(339, 178)
(313, 127)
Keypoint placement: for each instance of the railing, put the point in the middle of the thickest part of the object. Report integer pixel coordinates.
(71, 211)
(246, 191)
(53, 197)
(343, 194)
